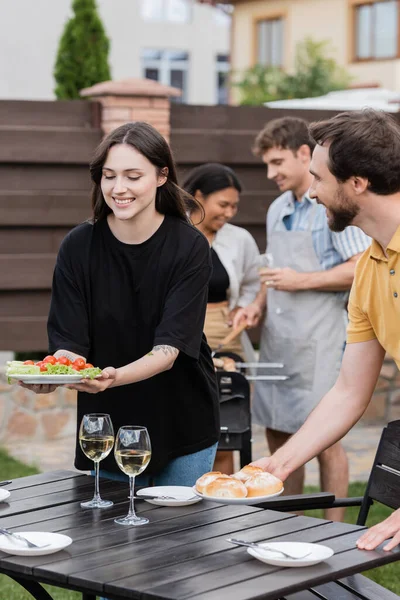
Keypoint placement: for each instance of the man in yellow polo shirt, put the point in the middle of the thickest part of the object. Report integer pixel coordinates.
(356, 176)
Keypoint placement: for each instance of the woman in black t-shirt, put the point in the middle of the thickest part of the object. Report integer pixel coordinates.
(130, 290)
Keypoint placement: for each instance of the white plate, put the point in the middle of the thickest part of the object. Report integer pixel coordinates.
(56, 541)
(184, 495)
(50, 379)
(4, 494)
(318, 553)
(245, 501)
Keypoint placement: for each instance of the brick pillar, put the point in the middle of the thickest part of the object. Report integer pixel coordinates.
(133, 100)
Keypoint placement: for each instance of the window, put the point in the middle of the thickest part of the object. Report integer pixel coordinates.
(376, 30)
(169, 67)
(222, 65)
(178, 11)
(270, 42)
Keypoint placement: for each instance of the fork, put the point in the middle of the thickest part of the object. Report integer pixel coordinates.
(263, 546)
(21, 538)
(154, 497)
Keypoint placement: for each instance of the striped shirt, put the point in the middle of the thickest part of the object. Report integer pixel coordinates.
(331, 248)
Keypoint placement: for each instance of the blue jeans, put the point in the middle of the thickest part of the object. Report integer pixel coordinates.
(184, 470)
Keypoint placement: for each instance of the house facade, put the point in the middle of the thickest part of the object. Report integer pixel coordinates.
(177, 42)
(364, 35)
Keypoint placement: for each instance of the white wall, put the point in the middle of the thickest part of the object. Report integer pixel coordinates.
(30, 31)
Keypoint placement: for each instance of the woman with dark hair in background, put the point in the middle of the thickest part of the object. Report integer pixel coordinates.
(235, 257)
(130, 290)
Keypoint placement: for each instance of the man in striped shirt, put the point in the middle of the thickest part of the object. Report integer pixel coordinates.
(304, 295)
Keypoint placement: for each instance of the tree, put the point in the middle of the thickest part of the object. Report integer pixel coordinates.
(315, 74)
(82, 57)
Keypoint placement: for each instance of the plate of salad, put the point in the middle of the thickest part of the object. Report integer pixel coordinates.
(51, 370)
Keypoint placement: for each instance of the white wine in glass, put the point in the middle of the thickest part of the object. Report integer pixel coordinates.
(96, 438)
(132, 453)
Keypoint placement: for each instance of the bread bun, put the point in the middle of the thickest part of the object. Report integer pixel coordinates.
(247, 472)
(263, 484)
(225, 487)
(206, 479)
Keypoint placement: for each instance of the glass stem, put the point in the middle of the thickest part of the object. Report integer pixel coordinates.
(96, 481)
(131, 512)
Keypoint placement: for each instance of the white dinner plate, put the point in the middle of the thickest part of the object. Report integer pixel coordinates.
(318, 553)
(184, 495)
(4, 494)
(49, 379)
(55, 541)
(245, 501)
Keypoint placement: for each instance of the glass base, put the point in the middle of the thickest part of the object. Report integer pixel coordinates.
(134, 520)
(97, 503)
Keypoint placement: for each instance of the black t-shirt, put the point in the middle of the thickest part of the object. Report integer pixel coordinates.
(219, 282)
(112, 302)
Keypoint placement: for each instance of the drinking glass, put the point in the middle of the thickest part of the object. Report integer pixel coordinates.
(132, 453)
(96, 438)
(266, 261)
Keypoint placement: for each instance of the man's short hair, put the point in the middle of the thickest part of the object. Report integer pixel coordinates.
(363, 143)
(286, 133)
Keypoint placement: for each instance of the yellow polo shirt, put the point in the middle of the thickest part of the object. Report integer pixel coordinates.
(374, 304)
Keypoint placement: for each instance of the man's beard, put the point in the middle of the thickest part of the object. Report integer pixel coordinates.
(343, 215)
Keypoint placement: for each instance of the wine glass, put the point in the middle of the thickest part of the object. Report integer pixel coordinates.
(96, 438)
(132, 452)
(266, 261)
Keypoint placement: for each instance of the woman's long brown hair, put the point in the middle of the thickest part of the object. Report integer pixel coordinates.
(170, 198)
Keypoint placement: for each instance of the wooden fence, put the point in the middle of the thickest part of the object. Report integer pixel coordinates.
(45, 148)
(44, 183)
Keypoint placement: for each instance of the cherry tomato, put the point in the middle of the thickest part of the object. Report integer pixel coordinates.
(42, 365)
(78, 364)
(63, 360)
(88, 366)
(50, 359)
(29, 362)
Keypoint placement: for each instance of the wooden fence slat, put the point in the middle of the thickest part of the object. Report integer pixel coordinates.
(14, 304)
(23, 335)
(42, 177)
(47, 145)
(26, 272)
(33, 209)
(31, 240)
(63, 113)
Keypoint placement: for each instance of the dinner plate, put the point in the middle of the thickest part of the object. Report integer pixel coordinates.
(47, 379)
(55, 541)
(245, 501)
(4, 494)
(184, 495)
(318, 553)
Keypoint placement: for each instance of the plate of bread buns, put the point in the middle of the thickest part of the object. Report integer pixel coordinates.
(250, 485)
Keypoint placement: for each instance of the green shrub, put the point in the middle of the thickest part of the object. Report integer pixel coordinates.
(82, 58)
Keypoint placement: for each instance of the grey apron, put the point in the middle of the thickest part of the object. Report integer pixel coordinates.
(304, 330)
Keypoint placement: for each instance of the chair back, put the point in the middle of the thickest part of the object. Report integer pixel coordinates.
(384, 480)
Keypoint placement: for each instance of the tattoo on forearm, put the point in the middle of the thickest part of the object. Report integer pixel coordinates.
(70, 355)
(168, 350)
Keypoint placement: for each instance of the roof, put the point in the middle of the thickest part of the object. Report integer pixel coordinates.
(352, 99)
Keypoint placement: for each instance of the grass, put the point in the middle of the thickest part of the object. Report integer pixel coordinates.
(388, 576)
(9, 589)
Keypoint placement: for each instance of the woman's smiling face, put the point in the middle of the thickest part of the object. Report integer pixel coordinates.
(129, 182)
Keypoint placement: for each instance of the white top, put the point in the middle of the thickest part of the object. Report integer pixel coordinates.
(238, 252)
